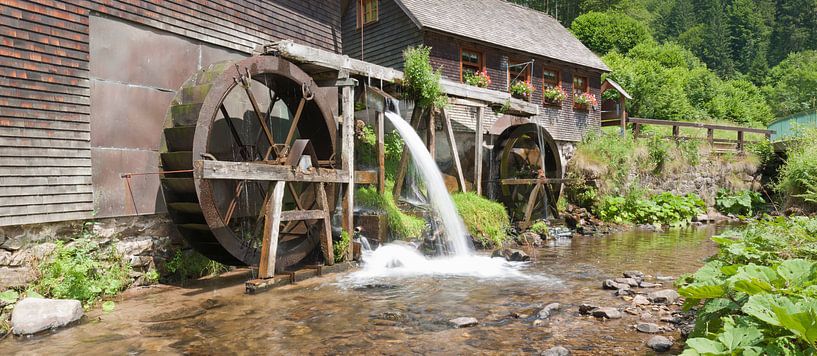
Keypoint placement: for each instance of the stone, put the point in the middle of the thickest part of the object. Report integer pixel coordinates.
(16, 277)
(665, 278)
(530, 238)
(631, 311)
(633, 274)
(607, 312)
(549, 310)
(639, 300)
(391, 315)
(556, 351)
(649, 285)
(701, 218)
(611, 284)
(538, 322)
(664, 296)
(12, 244)
(524, 313)
(585, 308)
(32, 315)
(632, 282)
(134, 248)
(511, 255)
(648, 328)
(624, 292)
(463, 322)
(659, 343)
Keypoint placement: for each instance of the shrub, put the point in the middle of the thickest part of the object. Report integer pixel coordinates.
(604, 32)
(665, 208)
(191, 264)
(401, 225)
(339, 248)
(487, 221)
(82, 270)
(744, 202)
(798, 176)
(366, 150)
(540, 227)
(421, 82)
(757, 295)
(793, 84)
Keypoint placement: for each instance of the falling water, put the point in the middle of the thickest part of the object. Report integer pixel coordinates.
(441, 201)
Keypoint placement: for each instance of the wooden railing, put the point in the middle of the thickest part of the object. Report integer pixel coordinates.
(739, 143)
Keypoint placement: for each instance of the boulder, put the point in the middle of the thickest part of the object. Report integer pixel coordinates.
(585, 308)
(659, 343)
(548, 310)
(664, 296)
(32, 315)
(632, 282)
(530, 237)
(463, 322)
(640, 300)
(607, 312)
(648, 328)
(611, 284)
(556, 351)
(512, 255)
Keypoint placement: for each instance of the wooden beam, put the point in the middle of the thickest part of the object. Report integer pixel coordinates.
(381, 153)
(348, 160)
(431, 135)
(296, 215)
(478, 150)
(326, 237)
(416, 116)
(534, 195)
(455, 153)
(207, 169)
(272, 222)
(531, 181)
(696, 125)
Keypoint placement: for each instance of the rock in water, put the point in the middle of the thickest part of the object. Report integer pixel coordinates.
(640, 300)
(607, 312)
(649, 285)
(659, 343)
(511, 255)
(32, 315)
(633, 274)
(585, 308)
(548, 310)
(556, 351)
(463, 322)
(648, 328)
(665, 296)
(611, 284)
(632, 282)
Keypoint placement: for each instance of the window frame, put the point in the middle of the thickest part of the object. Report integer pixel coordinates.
(585, 90)
(545, 81)
(480, 62)
(360, 11)
(527, 77)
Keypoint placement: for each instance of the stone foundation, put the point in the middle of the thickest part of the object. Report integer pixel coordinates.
(146, 242)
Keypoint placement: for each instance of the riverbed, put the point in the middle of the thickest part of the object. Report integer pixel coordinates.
(339, 314)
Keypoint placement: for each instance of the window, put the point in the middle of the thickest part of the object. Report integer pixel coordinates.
(367, 12)
(579, 85)
(518, 71)
(470, 62)
(550, 78)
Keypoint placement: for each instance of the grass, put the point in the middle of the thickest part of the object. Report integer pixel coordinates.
(487, 221)
(401, 225)
(191, 264)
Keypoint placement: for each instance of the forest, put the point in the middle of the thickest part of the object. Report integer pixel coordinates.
(743, 61)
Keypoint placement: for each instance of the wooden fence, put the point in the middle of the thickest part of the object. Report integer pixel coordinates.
(721, 144)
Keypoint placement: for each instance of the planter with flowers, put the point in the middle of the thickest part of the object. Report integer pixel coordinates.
(477, 79)
(585, 101)
(554, 95)
(521, 90)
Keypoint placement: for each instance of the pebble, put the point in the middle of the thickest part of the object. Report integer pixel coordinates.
(556, 351)
(463, 322)
(538, 322)
(549, 310)
(632, 282)
(611, 284)
(659, 343)
(585, 308)
(649, 285)
(665, 296)
(665, 278)
(633, 274)
(640, 300)
(607, 312)
(648, 328)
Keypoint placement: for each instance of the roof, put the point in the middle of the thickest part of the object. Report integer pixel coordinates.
(504, 24)
(619, 88)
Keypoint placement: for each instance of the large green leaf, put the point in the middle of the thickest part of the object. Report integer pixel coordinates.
(736, 339)
(753, 279)
(802, 323)
(702, 291)
(710, 271)
(9, 296)
(705, 346)
(797, 272)
(762, 306)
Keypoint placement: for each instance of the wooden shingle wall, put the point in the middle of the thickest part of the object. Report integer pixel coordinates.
(45, 86)
(384, 40)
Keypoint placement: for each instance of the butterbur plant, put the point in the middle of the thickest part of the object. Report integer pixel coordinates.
(521, 89)
(586, 100)
(554, 94)
(478, 79)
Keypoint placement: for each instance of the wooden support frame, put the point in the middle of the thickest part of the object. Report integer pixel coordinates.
(348, 159)
(272, 222)
(455, 153)
(478, 150)
(431, 134)
(416, 116)
(381, 152)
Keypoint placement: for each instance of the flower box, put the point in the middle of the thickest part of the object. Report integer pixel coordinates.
(521, 90)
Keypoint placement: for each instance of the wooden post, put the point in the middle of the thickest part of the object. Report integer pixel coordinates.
(710, 136)
(478, 151)
(272, 222)
(622, 113)
(416, 116)
(636, 130)
(431, 138)
(327, 247)
(381, 153)
(676, 131)
(348, 160)
(455, 153)
(534, 195)
(740, 141)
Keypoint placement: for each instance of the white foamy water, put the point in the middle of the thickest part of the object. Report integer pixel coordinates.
(441, 202)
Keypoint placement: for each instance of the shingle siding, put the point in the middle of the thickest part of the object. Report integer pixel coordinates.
(384, 40)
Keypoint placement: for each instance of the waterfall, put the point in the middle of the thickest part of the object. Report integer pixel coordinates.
(441, 203)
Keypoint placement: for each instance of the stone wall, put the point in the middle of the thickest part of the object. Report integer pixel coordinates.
(146, 242)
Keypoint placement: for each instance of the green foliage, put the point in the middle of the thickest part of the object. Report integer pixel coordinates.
(742, 203)
(82, 270)
(605, 32)
(521, 89)
(9, 296)
(665, 208)
(487, 221)
(421, 82)
(108, 306)
(366, 150)
(401, 225)
(798, 175)
(191, 264)
(759, 292)
(792, 84)
(152, 276)
(540, 227)
(341, 247)
(477, 79)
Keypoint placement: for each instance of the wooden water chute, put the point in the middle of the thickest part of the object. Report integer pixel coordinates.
(257, 169)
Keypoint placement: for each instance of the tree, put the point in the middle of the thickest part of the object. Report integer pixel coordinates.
(795, 28)
(792, 84)
(750, 37)
(604, 32)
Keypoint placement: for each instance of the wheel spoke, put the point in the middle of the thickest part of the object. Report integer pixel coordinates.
(242, 149)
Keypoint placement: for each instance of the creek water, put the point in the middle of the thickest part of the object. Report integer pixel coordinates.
(355, 313)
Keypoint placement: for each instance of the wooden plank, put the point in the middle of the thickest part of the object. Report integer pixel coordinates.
(44, 218)
(45, 209)
(44, 162)
(534, 195)
(19, 191)
(265, 172)
(34, 171)
(326, 237)
(431, 135)
(42, 143)
(272, 222)
(44, 133)
(34, 181)
(416, 116)
(531, 181)
(44, 152)
(696, 125)
(348, 161)
(47, 199)
(296, 215)
(455, 154)
(381, 153)
(478, 150)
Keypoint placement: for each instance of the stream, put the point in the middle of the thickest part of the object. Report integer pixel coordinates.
(352, 314)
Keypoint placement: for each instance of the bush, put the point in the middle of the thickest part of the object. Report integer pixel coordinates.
(82, 270)
(605, 32)
(366, 150)
(540, 228)
(743, 203)
(339, 248)
(757, 295)
(191, 264)
(792, 84)
(401, 225)
(421, 82)
(798, 176)
(665, 208)
(487, 221)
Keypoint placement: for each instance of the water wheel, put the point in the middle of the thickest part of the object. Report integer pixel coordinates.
(262, 109)
(521, 152)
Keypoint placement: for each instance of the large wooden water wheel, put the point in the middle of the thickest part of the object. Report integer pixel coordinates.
(263, 110)
(529, 163)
